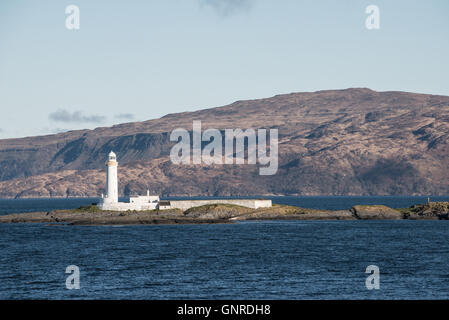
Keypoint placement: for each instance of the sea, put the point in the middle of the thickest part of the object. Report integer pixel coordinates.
(247, 260)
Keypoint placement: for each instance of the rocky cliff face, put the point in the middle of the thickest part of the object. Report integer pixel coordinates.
(343, 142)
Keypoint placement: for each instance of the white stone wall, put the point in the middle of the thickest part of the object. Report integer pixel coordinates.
(249, 203)
(124, 206)
(144, 199)
(263, 204)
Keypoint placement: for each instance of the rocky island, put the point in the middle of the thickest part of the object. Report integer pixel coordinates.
(224, 213)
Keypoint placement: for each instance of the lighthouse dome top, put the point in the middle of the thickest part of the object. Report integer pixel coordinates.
(112, 156)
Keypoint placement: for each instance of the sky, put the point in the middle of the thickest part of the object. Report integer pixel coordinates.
(139, 60)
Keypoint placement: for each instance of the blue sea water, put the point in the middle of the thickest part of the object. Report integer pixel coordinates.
(247, 260)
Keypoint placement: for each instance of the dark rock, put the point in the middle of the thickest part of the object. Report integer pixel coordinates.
(375, 212)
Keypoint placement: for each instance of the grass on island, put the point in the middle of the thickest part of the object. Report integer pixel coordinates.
(219, 210)
(279, 208)
(240, 210)
(91, 208)
(217, 207)
(95, 209)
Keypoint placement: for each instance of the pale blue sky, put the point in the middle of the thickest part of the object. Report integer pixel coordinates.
(150, 58)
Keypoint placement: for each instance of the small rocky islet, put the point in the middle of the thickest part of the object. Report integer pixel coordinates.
(225, 213)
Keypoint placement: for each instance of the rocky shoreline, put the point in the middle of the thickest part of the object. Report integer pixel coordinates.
(222, 213)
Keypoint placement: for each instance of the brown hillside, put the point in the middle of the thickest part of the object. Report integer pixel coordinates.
(342, 142)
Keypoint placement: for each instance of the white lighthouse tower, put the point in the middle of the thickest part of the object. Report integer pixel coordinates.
(110, 200)
(111, 179)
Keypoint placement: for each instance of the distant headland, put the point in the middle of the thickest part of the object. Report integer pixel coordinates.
(336, 142)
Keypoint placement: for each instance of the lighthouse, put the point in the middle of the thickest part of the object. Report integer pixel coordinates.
(149, 202)
(110, 200)
(111, 179)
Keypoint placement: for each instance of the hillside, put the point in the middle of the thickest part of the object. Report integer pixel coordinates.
(342, 142)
